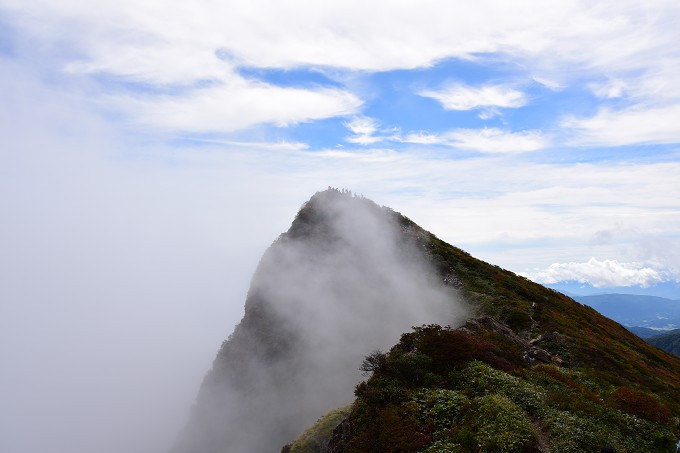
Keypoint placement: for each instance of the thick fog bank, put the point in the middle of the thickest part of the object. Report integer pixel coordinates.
(345, 280)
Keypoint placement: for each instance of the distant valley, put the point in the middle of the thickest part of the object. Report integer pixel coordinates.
(656, 319)
(631, 310)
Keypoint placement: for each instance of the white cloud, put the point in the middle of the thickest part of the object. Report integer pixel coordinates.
(601, 274)
(367, 131)
(163, 43)
(464, 97)
(278, 146)
(289, 34)
(102, 242)
(548, 83)
(633, 126)
(363, 130)
(663, 252)
(488, 113)
(487, 140)
(422, 138)
(362, 126)
(333, 34)
(609, 89)
(237, 106)
(494, 140)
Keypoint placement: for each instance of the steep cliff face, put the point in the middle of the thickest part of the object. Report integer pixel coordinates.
(348, 277)
(520, 364)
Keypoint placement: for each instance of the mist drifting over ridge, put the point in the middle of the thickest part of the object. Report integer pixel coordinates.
(347, 278)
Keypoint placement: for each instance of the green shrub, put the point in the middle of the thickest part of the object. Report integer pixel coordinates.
(396, 429)
(380, 391)
(411, 368)
(564, 399)
(481, 379)
(518, 320)
(315, 438)
(440, 407)
(373, 362)
(444, 446)
(502, 426)
(638, 403)
(573, 434)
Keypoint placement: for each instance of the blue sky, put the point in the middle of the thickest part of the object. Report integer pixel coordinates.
(151, 152)
(561, 115)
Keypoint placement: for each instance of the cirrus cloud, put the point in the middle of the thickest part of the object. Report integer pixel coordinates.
(363, 129)
(487, 140)
(638, 125)
(493, 140)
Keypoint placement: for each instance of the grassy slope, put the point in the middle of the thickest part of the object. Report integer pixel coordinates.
(470, 389)
(590, 340)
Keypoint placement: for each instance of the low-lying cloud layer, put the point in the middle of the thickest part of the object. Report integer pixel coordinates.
(345, 280)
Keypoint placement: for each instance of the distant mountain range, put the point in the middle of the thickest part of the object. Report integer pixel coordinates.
(667, 290)
(649, 317)
(633, 310)
(645, 332)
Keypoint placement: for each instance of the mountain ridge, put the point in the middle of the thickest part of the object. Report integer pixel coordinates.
(573, 288)
(513, 331)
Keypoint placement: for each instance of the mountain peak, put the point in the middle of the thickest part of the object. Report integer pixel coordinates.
(350, 277)
(346, 278)
(332, 209)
